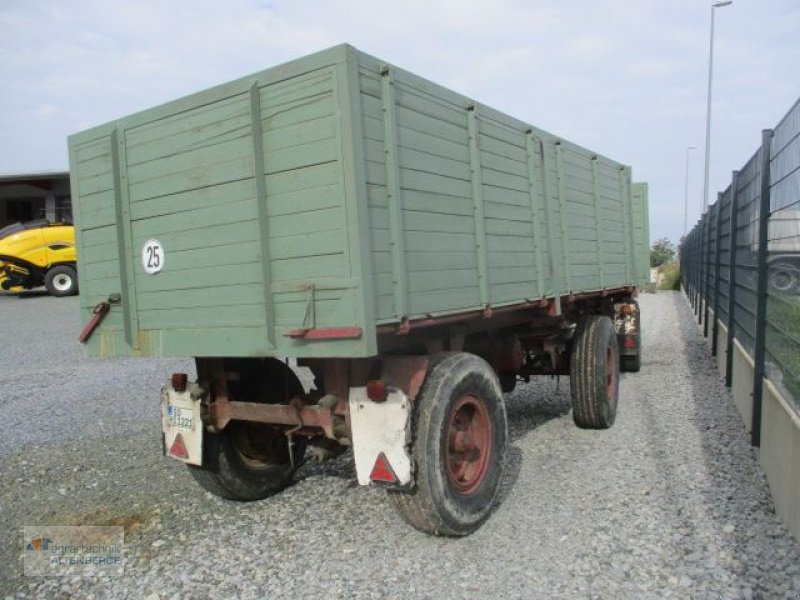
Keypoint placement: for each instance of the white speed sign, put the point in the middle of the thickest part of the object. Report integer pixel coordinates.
(152, 257)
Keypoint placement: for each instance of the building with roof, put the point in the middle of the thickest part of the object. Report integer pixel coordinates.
(28, 196)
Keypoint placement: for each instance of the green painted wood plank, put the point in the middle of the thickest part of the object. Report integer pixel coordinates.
(200, 218)
(436, 203)
(423, 181)
(316, 243)
(309, 267)
(441, 261)
(240, 315)
(214, 171)
(199, 278)
(234, 191)
(91, 149)
(422, 141)
(421, 241)
(100, 270)
(626, 233)
(309, 178)
(598, 230)
(437, 223)
(562, 222)
(423, 303)
(502, 152)
(477, 200)
(431, 163)
(510, 259)
(355, 197)
(506, 227)
(397, 219)
(504, 181)
(506, 212)
(124, 246)
(420, 102)
(426, 281)
(536, 202)
(521, 275)
(501, 164)
(92, 184)
(506, 196)
(260, 180)
(507, 243)
(231, 295)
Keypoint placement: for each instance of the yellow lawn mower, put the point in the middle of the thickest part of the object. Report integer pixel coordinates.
(39, 253)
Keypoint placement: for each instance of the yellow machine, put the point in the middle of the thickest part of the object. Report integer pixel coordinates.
(39, 253)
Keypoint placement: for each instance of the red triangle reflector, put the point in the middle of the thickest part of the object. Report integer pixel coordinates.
(382, 471)
(178, 448)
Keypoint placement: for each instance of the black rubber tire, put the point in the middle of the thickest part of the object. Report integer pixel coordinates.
(784, 278)
(594, 373)
(435, 505)
(61, 280)
(227, 470)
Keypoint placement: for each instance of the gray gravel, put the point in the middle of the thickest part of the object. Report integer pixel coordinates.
(669, 503)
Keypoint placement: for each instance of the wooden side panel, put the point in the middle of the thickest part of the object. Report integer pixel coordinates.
(469, 207)
(95, 216)
(641, 233)
(334, 192)
(244, 187)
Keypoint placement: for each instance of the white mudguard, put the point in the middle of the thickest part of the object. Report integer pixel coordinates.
(380, 428)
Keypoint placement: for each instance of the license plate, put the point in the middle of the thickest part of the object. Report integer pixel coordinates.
(182, 427)
(180, 418)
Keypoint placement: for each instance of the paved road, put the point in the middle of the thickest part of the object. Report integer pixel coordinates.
(668, 503)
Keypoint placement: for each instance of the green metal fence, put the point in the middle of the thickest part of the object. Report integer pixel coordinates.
(741, 262)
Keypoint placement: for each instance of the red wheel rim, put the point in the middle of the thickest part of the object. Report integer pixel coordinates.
(611, 372)
(468, 444)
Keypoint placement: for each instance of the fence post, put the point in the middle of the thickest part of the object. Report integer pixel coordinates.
(707, 280)
(698, 262)
(693, 274)
(717, 244)
(732, 281)
(701, 270)
(761, 287)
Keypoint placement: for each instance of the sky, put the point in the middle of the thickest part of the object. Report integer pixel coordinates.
(625, 78)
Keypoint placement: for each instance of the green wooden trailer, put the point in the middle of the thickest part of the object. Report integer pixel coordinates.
(372, 225)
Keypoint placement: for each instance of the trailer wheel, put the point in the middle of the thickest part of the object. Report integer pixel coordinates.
(61, 280)
(250, 461)
(460, 436)
(594, 374)
(784, 277)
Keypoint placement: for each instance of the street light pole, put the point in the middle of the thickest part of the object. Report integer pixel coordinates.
(686, 193)
(708, 102)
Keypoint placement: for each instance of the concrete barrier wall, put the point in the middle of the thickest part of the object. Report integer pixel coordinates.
(742, 383)
(722, 342)
(779, 453)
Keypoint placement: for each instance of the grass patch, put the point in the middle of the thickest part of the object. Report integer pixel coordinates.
(782, 340)
(670, 274)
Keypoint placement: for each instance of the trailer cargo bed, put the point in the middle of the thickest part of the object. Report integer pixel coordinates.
(305, 209)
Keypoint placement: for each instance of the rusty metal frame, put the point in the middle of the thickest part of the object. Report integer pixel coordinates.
(303, 419)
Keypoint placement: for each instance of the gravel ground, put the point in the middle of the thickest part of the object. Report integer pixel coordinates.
(669, 503)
